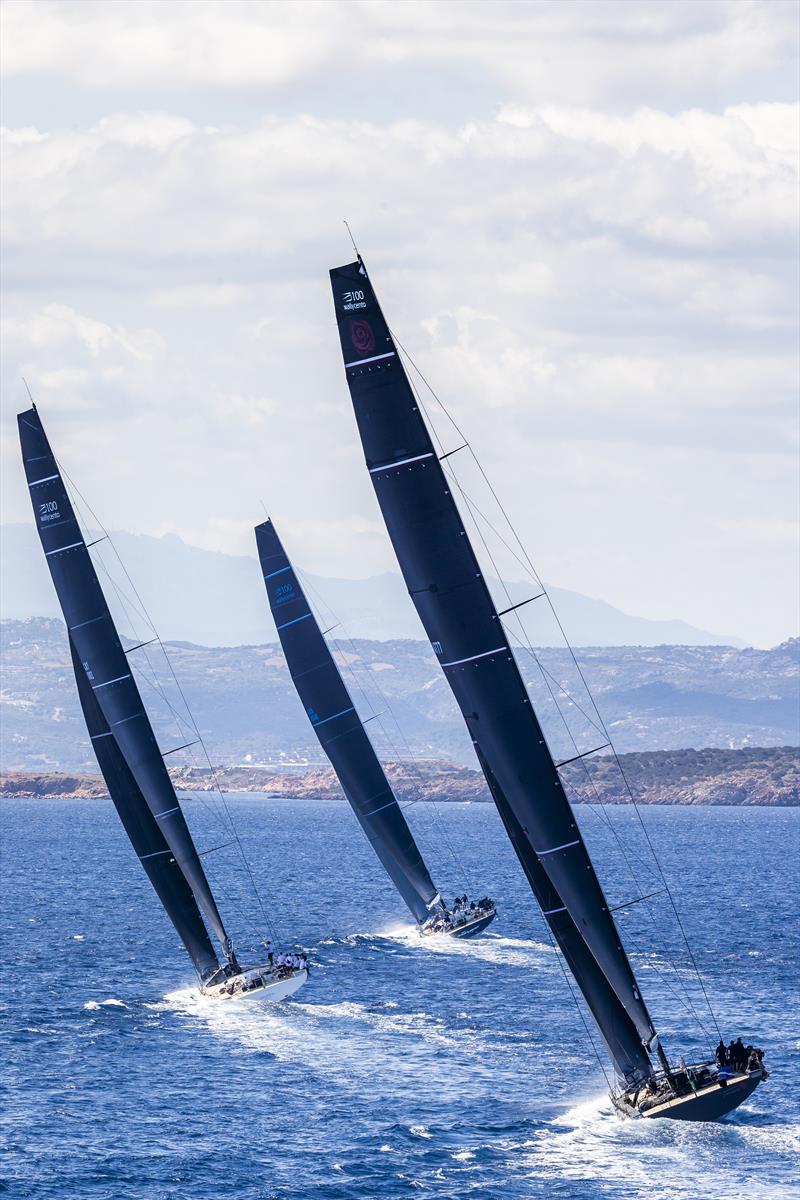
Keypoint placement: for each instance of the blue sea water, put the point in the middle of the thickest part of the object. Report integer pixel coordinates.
(405, 1068)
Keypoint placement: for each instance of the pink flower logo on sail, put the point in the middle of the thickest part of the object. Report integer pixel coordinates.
(362, 337)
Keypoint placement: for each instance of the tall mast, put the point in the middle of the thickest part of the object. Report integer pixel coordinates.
(339, 728)
(98, 654)
(449, 591)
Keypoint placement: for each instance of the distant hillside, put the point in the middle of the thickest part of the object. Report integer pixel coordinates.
(754, 776)
(662, 698)
(228, 606)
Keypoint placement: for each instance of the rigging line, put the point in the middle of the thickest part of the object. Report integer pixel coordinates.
(546, 676)
(473, 508)
(554, 699)
(401, 761)
(525, 640)
(575, 661)
(565, 639)
(180, 691)
(155, 686)
(600, 812)
(559, 956)
(153, 683)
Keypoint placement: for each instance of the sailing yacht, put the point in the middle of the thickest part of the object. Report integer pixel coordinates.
(125, 744)
(344, 739)
(468, 636)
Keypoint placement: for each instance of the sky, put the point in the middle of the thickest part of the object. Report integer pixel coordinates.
(581, 220)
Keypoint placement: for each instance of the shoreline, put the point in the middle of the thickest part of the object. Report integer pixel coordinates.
(751, 777)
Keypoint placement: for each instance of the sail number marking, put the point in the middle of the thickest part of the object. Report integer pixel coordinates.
(352, 300)
(48, 511)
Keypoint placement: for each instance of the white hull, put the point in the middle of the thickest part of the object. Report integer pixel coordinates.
(257, 983)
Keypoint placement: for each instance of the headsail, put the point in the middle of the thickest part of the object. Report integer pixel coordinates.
(144, 833)
(452, 598)
(339, 728)
(618, 1030)
(97, 648)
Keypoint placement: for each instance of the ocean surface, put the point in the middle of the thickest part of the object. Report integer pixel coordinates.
(404, 1068)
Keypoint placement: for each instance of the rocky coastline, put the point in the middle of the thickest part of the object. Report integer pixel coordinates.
(749, 777)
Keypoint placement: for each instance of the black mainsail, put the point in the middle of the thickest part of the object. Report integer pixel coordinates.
(120, 730)
(148, 841)
(449, 591)
(339, 728)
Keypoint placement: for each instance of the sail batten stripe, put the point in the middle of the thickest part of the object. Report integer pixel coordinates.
(83, 624)
(118, 679)
(125, 720)
(338, 727)
(317, 724)
(382, 807)
(122, 740)
(359, 362)
(272, 574)
(457, 662)
(286, 624)
(550, 912)
(401, 462)
(168, 813)
(553, 849)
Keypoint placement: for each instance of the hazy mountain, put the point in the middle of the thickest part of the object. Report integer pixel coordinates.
(218, 599)
(247, 709)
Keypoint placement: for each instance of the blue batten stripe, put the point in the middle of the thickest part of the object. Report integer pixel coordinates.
(274, 573)
(333, 718)
(286, 624)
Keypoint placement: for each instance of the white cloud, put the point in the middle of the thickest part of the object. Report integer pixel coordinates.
(587, 51)
(595, 269)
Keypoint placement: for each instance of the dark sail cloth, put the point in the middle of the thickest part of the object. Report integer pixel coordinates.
(339, 729)
(448, 589)
(99, 653)
(145, 836)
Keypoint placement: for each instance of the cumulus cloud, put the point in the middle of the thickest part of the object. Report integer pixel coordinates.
(603, 287)
(587, 51)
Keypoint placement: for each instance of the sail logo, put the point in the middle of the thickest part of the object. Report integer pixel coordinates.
(282, 593)
(362, 337)
(48, 511)
(88, 670)
(352, 300)
(437, 649)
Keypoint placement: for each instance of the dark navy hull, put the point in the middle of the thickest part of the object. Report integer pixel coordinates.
(707, 1104)
(472, 928)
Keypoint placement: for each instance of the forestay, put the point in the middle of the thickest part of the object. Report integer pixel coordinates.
(338, 727)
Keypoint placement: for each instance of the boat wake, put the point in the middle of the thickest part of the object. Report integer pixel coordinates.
(489, 947)
(349, 1041)
(632, 1158)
